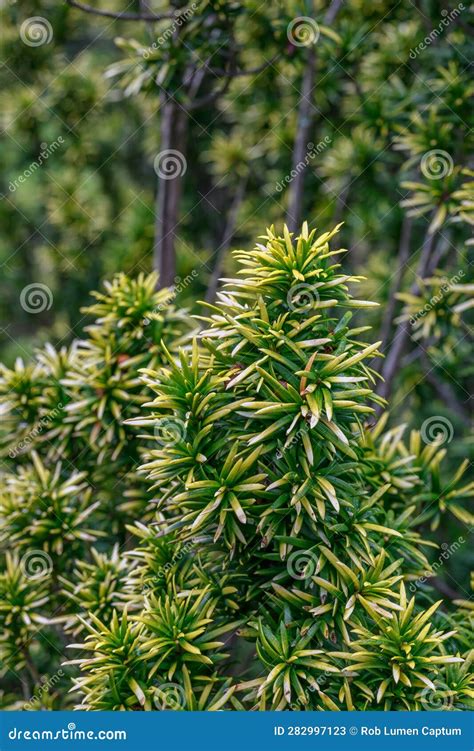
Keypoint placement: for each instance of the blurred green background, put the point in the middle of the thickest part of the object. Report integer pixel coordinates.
(386, 85)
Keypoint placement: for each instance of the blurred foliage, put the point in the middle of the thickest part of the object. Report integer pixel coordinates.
(387, 101)
(390, 147)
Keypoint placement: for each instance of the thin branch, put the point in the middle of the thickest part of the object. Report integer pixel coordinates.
(208, 99)
(306, 109)
(341, 203)
(332, 11)
(145, 8)
(199, 76)
(226, 240)
(443, 389)
(402, 332)
(303, 130)
(444, 588)
(438, 254)
(123, 16)
(32, 669)
(403, 255)
(249, 72)
(174, 126)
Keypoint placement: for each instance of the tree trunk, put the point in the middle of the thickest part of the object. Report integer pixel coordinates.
(401, 336)
(303, 128)
(170, 166)
(226, 240)
(341, 203)
(444, 389)
(403, 256)
(300, 150)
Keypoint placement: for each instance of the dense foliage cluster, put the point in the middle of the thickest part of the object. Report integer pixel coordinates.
(215, 518)
(390, 122)
(254, 502)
